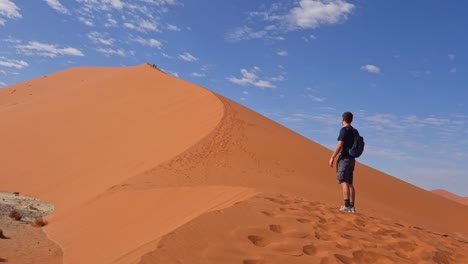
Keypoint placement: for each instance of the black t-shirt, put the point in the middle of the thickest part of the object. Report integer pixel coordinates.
(347, 136)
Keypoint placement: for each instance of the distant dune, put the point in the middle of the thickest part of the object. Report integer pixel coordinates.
(143, 167)
(451, 196)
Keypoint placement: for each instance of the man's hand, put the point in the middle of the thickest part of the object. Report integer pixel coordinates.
(332, 160)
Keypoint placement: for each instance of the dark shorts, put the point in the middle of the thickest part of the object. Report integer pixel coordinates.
(345, 170)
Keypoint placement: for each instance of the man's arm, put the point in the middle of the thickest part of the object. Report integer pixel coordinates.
(338, 148)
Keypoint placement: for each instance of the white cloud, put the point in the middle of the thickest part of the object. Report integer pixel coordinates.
(199, 75)
(129, 25)
(309, 38)
(453, 70)
(86, 21)
(282, 53)
(316, 98)
(172, 27)
(102, 5)
(47, 50)
(451, 57)
(18, 64)
(188, 57)
(57, 6)
(144, 25)
(100, 38)
(154, 43)
(2, 84)
(313, 13)
(110, 21)
(9, 9)
(166, 56)
(246, 33)
(280, 18)
(370, 68)
(110, 51)
(251, 78)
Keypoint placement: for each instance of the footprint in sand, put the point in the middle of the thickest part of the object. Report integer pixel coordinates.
(253, 261)
(309, 250)
(276, 229)
(347, 260)
(277, 201)
(288, 232)
(258, 241)
(268, 213)
(303, 220)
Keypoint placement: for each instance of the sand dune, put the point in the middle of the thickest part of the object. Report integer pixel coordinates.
(451, 196)
(145, 168)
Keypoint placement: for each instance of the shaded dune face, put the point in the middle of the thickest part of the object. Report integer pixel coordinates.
(451, 196)
(131, 155)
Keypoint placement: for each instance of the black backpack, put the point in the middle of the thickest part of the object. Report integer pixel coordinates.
(358, 145)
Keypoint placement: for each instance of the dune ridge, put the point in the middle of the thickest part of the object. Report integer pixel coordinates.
(451, 196)
(140, 164)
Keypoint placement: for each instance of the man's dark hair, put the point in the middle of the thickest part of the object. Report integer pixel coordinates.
(348, 117)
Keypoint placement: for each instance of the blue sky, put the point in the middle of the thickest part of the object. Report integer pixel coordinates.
(399, 66)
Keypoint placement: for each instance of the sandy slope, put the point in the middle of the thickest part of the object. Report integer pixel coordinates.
(283, 229)
(451, 196)
(131, 155)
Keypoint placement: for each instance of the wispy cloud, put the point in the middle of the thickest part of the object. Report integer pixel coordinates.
(280, 18)
(316, 98)
(251, 78)
(57, 6)
(188, 57)
(86, 21)
(451, 57)
(309, 38)
(282, 53)
(9, 10)
(100, 38)
(245, 33)
(111, 51)
(171, 27)
(18, 64)
(46, 50)
(154, 43)
(110, 22)
(197, 74)
(101, 5)
(370, 68)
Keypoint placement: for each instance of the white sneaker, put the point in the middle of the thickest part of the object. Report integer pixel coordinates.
(352, 209)
(345, 209)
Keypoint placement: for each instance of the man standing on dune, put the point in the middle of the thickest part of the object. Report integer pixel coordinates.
(345, 163)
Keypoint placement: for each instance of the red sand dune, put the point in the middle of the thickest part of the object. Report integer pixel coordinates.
(145, 168)
(451, 196)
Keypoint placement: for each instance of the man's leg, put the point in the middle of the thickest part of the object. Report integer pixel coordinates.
(352, 194)
(345, 189)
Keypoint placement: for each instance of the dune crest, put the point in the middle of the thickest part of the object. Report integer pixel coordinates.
(451, 196)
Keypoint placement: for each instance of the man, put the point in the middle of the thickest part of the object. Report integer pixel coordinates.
(345, 163)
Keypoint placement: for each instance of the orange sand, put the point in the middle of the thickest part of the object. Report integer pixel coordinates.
(451, 196)
(145, 168)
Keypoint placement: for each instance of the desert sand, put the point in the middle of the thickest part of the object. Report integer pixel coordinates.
(451, 196)
(142, 167)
